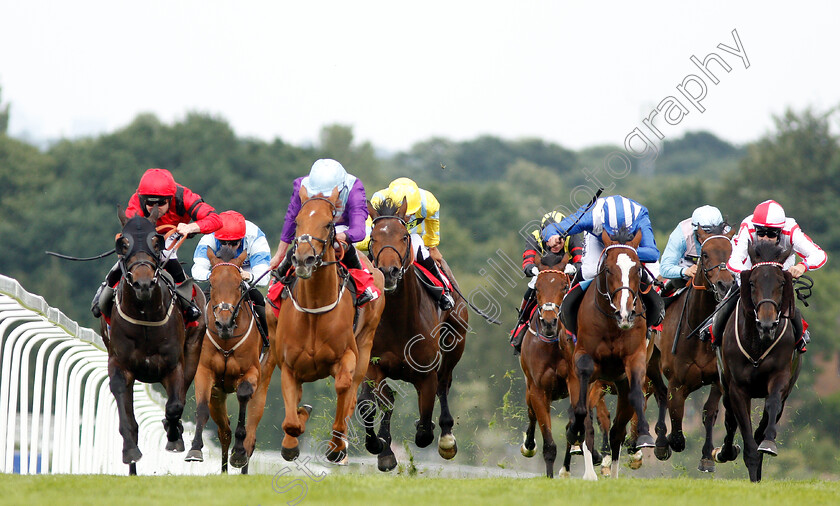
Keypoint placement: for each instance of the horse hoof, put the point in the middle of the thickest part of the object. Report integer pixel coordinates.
(131, 456)
(339, 457)
(238, 459)
(290, 454)
(194, 456)
(424, 438)
(307, 408)
(677, 442)
(706, 466)
(448, 447)
(662, 452)
(175, 446)
(636, 460)
(719, 456)
(374, 445)
(564, 473)
(769, 447)
(386, 463)
(526, 452)
(645, 441)
(605, 471)
(575, 450)
(606, 461)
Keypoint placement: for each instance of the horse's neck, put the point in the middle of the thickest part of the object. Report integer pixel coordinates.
(408, 295)
(321, 289)
(701, 303)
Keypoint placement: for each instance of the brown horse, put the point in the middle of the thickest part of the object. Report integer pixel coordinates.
(546, 362)
(689, 364)
(315, 335)
(758, 357)
(147, 340)
(414, 342)
(611, 345)
(230, 358)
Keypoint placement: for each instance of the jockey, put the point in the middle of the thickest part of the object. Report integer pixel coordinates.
(178, 206)
(240, 235)
(607, 214)
(325, 176)
(679, 260)
(768, 223)
(534, 245)
(422, 216)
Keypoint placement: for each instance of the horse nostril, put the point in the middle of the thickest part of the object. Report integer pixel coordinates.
(310, 261)
(394, 272)
(218, 325)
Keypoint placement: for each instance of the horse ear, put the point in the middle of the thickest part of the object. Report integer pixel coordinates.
(746, 296)
(785, 253)
(211, 255)
(751, 252)
(303, 194)
(241, 258)
(154, 215)
(538, 261)
(403, 208)
(372, 211)
(121, 216)
(731, 232)
(334, 195)
(605, 238)
(788, 300)
(702, 235)
(637, 239)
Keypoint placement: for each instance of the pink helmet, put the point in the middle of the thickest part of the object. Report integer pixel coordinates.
(769, 214)
(233, 226)
(157, 182)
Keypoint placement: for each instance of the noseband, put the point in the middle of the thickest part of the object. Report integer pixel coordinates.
(706, 271)
(404, 257)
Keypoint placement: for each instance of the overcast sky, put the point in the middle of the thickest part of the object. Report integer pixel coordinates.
(576, 73)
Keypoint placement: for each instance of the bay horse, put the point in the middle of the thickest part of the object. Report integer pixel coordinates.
(147, 340)
(315, 335)
(690, 364)
(230, 358)
(546, 361)
(414, 342)
(758, 357)
(611, 345)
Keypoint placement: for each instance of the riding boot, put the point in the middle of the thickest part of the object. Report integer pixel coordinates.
(262, 325)
(282, 270)
(351, 258)
(184, 291)
(654, 305)
(445, 302)
(518, 333)
(105, 293)
(722, 314)
(569, 307)
(524, 309)
(803, 337)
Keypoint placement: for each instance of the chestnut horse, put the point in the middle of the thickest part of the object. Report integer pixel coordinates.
(147, 340)
(314, 336)
(414, 342)
(690, 364)
(611, 345)
(758, 357)
(546, 362)
(230, 358)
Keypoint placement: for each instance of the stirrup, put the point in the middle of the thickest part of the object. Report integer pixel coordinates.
(446, 302)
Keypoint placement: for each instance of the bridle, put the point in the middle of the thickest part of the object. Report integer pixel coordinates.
(776, 305)
(548, 306)
(308, 238)
(610, 296)
(405, 258)
(226, 306)
(706, 282)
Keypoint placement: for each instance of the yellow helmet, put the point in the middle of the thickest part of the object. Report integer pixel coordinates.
(551, 217)
(406, 188)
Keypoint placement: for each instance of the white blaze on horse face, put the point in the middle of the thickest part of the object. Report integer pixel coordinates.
(311, 213)
(625, 263)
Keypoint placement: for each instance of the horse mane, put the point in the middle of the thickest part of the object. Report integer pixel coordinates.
(387, 207)
(226, 253)
(622, 235)
(719, 229)
(767, 251)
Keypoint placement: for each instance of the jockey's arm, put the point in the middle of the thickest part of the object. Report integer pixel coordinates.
(813, 256)
(259, 256)
(738, 260)
(201, 264)
(669, 264)
(278, 257)
(648, 251)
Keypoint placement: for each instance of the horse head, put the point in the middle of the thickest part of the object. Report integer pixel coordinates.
(390, 242)
(620, 275)
(767, 289)
(551, 286)
(226, 291)
(139, 246)
(315, 224)
(715, 249)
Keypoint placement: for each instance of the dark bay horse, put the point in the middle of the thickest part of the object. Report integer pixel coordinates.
(546, 362)
(611, 345)
(230, 358)
(414, 343)
(758, 357)
(147, 340)
(314, 335)
(690, 364)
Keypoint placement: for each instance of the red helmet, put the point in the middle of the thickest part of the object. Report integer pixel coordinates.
(769, 214)
(233, 226)
(157, 182)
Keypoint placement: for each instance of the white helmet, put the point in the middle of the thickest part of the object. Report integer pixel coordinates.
(325, 175)
(706, 217)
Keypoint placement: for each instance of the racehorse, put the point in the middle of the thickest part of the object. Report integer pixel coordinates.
(147, 340)
(230, 358)
(414, 342)
(758, 357)
(611, 345)
(315, 335)
(689, 364)
(546, 362)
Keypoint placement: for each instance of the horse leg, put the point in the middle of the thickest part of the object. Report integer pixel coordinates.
(676, 408)
(294, 422)
(426, 388)
(773, 406)
(345, 404)
(122, 387)
(218, 412)
(541, 404)
(636, 371)
(529, 445)
(386, 460)
(623, 413)
(203, 385)
(367, 410)
(710, 412)
(578, 389)
(660, 393)
(256, 406)
(740, 402)
(597, 400)
(447, 446)
(176, 392)
(728, 451)
(244, 392)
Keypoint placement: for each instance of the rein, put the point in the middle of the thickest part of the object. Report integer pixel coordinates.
(756, 363)
(224, 306)
(405, 258)
(609, 296)
(144, 323)
(706, 271)
(548, 306)
(322, 309)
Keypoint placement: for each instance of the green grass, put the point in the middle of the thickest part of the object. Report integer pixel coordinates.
(351, 489)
